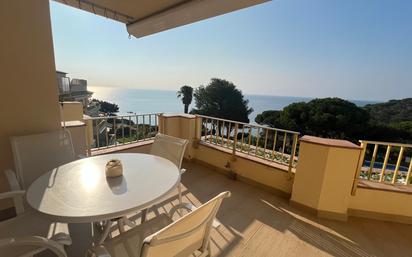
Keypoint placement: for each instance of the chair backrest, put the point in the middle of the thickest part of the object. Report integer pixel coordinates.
(187, 234)
(171, 148)
(36, 154)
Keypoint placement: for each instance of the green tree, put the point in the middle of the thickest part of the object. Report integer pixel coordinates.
(222, 99)
(327, 117)
(107, 107)
(186, 94)
(392, 111)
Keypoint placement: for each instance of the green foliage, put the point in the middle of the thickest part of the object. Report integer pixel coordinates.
(393, 111)
(338, 118)
(405, 126)
(222, 99)
(327, 117)
(186, 94)
(107, 107)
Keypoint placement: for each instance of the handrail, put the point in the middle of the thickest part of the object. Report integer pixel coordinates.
(250, 139)
(122, 116)
(249, 124)
(108, 131)
(382, 171)
(385, 143)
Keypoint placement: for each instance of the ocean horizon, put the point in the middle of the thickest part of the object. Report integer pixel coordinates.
(166, 101)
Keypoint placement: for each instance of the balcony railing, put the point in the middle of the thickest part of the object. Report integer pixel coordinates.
(385, 162)
(272, 144)
(111, 131)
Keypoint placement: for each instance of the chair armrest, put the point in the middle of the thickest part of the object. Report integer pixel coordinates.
(41, 242)
(12, 194)
(12, 180)
(98, 251)
(182, 171)
(186, 206)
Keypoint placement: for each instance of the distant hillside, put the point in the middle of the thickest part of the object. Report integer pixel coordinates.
(393, 111)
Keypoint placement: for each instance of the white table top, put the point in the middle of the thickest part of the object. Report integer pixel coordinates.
(79, 192)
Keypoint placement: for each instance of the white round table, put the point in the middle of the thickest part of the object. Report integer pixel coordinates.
(79, 192)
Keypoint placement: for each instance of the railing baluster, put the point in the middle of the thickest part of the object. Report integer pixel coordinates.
(156, 123)
(149, 134)
(222, 132)
(408, 175)
(228, 134)
(372, 163)
(398, 164)
(106, 134)
(250, 140)
(97, 134)
(211, 130)
(257, 142)
(130, 139)
(283, 146)
(235, 140)
(137, 127)
(359, 169)
(122, 130)
(217, 132)
(115, 131)
(241, 142)
(274, 145)
(385, 163)
(293, 153)
(266, 141)
(144, 128)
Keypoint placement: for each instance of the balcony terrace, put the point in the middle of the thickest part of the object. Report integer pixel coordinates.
(255, 222)
(272, 210)
(292, 195)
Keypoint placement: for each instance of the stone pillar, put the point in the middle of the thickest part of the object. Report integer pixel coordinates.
(182, 126)
(324, 176)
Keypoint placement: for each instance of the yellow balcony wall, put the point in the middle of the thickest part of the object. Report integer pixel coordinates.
(29, 88)
(72, 111)
(382, 205)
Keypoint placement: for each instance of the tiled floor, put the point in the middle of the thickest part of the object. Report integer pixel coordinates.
(257, 223)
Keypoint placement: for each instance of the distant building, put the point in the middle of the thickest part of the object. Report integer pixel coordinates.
(73, 89)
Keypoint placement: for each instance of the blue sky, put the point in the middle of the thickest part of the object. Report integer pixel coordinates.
(354, 49)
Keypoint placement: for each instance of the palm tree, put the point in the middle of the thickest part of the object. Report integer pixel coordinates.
(186, 93)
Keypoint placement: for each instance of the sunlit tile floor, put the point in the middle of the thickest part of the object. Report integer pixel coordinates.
(258, 223)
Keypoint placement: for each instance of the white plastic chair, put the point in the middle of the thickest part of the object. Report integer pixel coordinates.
(173, 149)
(36, 154)
(27, 246)
(161, 236)
(29, 233)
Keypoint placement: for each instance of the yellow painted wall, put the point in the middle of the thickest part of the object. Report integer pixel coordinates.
(324, 175)
(28, 75)
(382, 202)
(337, 184)
(309, 174)
(72, 111)
(78, 134)
(140, 149)
(260, 173)
(182, 126)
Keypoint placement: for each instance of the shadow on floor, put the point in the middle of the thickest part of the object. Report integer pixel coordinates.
(264, 224)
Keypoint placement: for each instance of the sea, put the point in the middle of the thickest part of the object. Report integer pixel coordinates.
(165, 101)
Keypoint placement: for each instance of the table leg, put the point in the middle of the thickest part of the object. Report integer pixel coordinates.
(106, 231)
(128, 222)
(144, 214)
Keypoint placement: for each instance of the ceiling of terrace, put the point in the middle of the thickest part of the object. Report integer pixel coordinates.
(146, 17)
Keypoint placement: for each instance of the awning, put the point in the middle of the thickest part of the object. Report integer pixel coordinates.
(146, 17)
